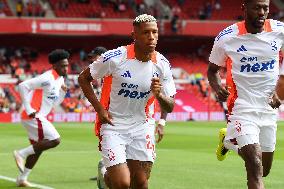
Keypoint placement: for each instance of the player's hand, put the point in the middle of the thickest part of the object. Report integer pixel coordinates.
(222, 94)
(156, 87)
(64, 88)
(160, 131)
(105, 117)
(32, 115)
(274, 102)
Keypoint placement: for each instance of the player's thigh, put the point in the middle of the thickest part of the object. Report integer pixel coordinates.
(119, 175)
(113, 149)
(139, 170)
(250, 151)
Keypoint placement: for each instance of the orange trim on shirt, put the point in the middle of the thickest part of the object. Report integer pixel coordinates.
(231, 87)
(242, 27)
(131, 53)
(105, 100)
(267, 26)
(35, 102)
(54, 73)
(147, 107)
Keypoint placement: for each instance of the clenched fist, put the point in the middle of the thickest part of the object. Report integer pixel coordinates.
(156, 87)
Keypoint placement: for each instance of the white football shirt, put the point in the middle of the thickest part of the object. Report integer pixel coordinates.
(126, 89)
(252, 62)
(42, 93)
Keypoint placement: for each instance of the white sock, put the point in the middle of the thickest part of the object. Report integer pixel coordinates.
(25, 152)
(103, 170)
(231, 146)
(25, 174)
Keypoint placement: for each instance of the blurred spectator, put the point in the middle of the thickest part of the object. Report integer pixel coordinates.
(181, 2)
(217, 5)
(141, 8)
(208, 10)
(37, 9)
(121, 6)
(201, 13)
(2, 5)
(45, 8)
(174, 24)
(62, 4)
(83, 55)
(2, 13)
(19, 8)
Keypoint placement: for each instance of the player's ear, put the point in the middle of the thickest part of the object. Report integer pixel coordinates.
(133, 35)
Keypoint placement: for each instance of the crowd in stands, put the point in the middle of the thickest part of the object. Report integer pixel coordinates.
(7, 101)
(31, 8)
(19, 63)
(173, 10)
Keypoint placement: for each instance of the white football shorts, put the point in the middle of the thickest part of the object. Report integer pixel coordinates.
(39, 129)
(252, 128)
(116, 147)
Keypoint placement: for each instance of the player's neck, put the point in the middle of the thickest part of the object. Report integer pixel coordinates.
(251, 29)
(140, 55)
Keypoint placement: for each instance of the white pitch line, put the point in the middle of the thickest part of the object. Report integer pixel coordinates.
(32, 184)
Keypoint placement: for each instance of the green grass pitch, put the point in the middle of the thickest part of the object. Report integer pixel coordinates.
(185, 159)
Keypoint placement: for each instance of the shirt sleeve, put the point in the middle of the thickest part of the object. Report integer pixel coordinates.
(218, 54)
(61, 97)
(106, 64)
(28, 86)
(169, 88)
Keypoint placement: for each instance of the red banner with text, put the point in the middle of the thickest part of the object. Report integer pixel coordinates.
(91, 117)
(61, 26)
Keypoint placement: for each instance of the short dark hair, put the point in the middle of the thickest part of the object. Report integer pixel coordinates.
(57, 55)
(97, 51)
(246, 2)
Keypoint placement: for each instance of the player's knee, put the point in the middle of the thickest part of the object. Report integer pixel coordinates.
(55, 142)
(254, 166)
(122, 183)
(141, 183)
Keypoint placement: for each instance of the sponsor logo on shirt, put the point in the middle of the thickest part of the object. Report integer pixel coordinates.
(258, 67)
(249, 59)
(126, 74)
(128, 90)
(52, 97)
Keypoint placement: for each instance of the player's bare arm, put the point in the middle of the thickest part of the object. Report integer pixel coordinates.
(280, 88)
(160, 126)
(215, 82)
(166, 103)
(84, 80)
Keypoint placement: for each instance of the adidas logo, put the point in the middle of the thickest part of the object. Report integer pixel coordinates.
(126, 74)
(242, 48)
